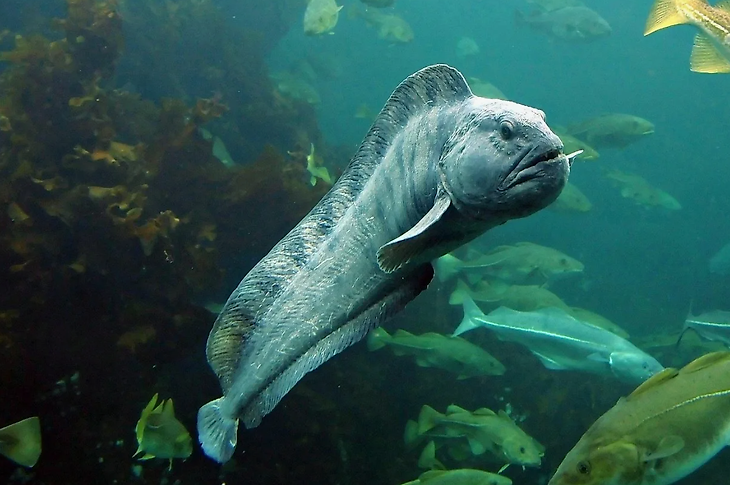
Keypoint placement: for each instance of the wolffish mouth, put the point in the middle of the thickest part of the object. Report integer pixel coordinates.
(525, 169)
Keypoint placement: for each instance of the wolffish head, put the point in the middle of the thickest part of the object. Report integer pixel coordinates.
(617, 463)
(502, 162)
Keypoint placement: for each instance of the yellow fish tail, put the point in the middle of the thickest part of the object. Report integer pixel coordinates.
(666, 13)
(21, 442)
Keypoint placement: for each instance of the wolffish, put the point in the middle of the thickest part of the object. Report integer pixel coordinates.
(438, 167)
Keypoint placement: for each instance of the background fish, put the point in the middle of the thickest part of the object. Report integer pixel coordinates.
(160, 434)
(572, 24)
(463, 476)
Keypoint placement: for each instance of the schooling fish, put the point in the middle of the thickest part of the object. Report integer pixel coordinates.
(667, 428)
(711, 51)
(438, 167)
(562, 342)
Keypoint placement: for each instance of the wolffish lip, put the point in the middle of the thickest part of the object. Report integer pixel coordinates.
(523, 171)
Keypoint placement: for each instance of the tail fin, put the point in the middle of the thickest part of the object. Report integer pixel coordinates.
(471, 314)
(427, 419)
(687, 326)
(217, 433)
(664, 14)
(460, 294)
(21, 442)
(411, 436)
(428, 458)
(377, 339)
(447, 266)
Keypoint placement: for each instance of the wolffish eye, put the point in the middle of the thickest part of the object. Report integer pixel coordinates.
(583, 467)
(506, 129)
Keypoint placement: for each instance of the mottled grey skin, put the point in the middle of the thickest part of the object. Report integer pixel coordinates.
(439, 167)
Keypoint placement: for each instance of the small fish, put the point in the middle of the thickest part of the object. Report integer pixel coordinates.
(160, 434)
(321, 16)
(612, 130)
(461, 476)
(720, 262)
(487, 90)
(711, 51)
(571, 199)
(316, 170)
(482, 431)
(294, 86)
(713, 326)
(562, 342)
(467, 47)
(438, 168)
(524, 298)
(390, 26)
(435, 350)
(570, 24)
(573, 144)
(667, 428)
(21, 441)
(523, 262)
(640, 191)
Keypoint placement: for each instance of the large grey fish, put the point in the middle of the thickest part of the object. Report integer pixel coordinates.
(562, 342)
(438, 167)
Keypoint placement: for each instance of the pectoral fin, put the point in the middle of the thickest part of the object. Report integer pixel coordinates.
(668, 446)
(415, 241)
(706, 58)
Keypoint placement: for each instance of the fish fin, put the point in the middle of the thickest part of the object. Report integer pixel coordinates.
(460, 452)
(377, 339)
(169, 409)
(411, 437)
(706, 58)
(668, 446)
(484, 412)
(596, 357)
(146, 456)
(705, 361)
(447, 266)
(430, 475)
(417, 240)
(460, 294)
(139, 450)
(655, 380)
(21, 441)
(421, 362)
(142, 422)
(454, 409)
(403, 333)
(392, 298)
(476, 447)
(549, 363)
(427, 459)
(503, 468)
(169, 468)
(664, 14)
(427, 419)
(217, 433)
(471, 312)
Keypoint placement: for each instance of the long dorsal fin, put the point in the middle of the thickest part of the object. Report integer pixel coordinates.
(705, 361)
(426, 89)
(654, 381)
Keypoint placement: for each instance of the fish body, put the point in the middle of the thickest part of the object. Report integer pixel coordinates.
(21, 441)
(571, 200)
(461, 476)
(488, 90)
(466, 47)
(520, 263)
(435, 350)
(160, 434)
(321, 16)
(518, 297)
(713, 326)
(640, 191)
(561, 342)
(711, 51)
(573, 144)
(570, 24)
(390, 26)
(611, 130)
(668, 427)
(482, 431)
(438, 167)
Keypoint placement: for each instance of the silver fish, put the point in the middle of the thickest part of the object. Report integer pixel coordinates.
(438, 167)
(562, 342)
(713, 326)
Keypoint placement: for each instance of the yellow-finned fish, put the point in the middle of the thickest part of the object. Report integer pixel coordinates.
(711, 51)
(671, 425)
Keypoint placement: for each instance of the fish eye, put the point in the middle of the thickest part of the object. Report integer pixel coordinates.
(506, 129)
(522, 450)
(583, 467)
